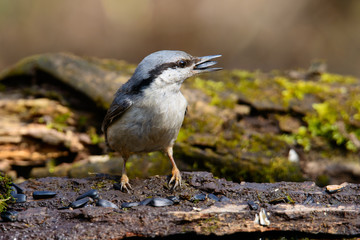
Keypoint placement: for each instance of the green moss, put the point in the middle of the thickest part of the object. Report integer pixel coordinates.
(356, 106)
(216, 138)
(184, 134)
(59, 121)
(150, 164)
(62, 118)
(281, 169)
(326, 122)
(5, 190)
(302, 137)
(298, 89)
(205, 123)
(98, 185)
(217, 91)
(95, 138)
(51, 164)
(289, 199)
(210, 224)
(242, 74)
(332, 117)
(336, 78)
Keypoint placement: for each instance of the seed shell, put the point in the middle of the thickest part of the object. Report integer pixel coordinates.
(105, 203)
(43, 194)
(79, 203)
(93, 193)
(20, 198)
(9, 216)
(161, 202)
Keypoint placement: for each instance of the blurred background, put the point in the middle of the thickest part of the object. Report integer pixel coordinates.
(245, 121)
(250, 34)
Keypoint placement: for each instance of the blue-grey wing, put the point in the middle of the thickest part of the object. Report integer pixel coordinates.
(116, 110)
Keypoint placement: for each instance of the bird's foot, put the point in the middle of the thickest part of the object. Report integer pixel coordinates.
(124, 183)
(176, 178)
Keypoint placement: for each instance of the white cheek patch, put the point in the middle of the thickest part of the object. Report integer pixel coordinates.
(174, 75)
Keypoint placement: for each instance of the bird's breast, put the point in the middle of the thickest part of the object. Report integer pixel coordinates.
(151, 124)
(164, 110)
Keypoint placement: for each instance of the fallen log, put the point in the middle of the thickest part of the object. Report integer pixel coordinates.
(238, 209)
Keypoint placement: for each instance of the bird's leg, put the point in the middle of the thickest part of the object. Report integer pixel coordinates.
(124, 182)
(176, 176)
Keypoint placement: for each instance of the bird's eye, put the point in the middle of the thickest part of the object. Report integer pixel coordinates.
(182, 63)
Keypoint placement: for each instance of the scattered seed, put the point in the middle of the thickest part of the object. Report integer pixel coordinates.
(161, 202)
(105, 203)
(18, 189)
(129, 204)
(19, 198)
(198, 197)
(253, 205)
(213, 197)
(224, 199)
(175, 199)
(43, 194)
(145, 202)
(9, 216)
(256, 220)
(93, 193)
(334, 188)
(308, 200)
(264, 221)
(79, 203)
(13, 190)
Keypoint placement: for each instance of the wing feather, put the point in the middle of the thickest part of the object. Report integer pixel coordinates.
(116, 110)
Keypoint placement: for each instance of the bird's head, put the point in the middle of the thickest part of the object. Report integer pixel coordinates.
(167, 68)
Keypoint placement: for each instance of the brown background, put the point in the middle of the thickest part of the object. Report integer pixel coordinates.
(251, 34)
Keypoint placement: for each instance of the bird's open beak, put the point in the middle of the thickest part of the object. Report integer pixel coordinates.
(203, 64)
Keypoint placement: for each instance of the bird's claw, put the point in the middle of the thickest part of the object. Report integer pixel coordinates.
(124, 183)
(176, 178)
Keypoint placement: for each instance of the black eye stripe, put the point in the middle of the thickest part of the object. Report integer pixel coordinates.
(159, 69)
(156, 72)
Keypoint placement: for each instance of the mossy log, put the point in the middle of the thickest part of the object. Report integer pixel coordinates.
(240, 125)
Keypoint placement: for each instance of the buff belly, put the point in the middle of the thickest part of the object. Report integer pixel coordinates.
(147, 128)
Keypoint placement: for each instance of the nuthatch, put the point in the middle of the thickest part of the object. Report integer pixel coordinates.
(148, 110)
